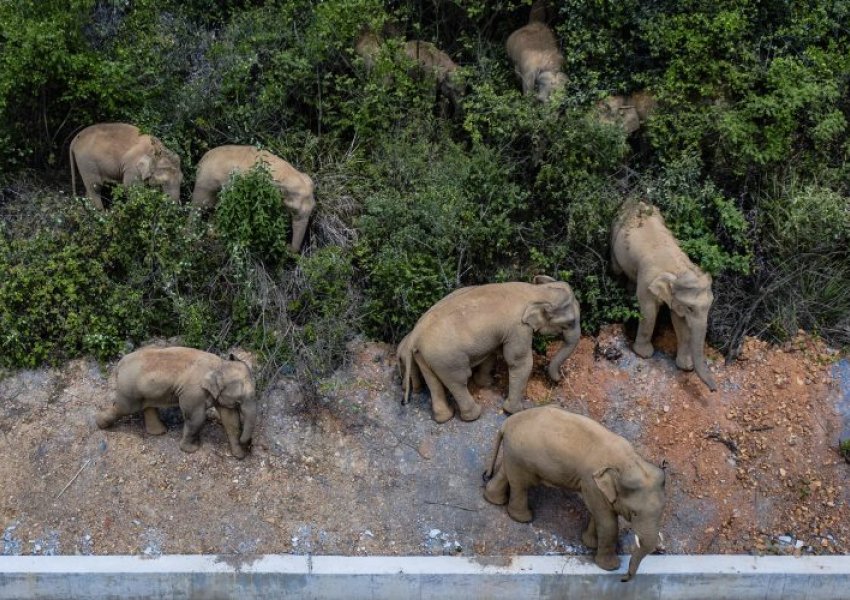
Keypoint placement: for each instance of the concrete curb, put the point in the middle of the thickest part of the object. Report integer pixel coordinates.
(281, 576)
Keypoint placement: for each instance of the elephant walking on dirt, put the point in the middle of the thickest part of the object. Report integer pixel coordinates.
(551, 446)
(464, 331)
(296, 188)
(120, 153)
(644, 249)
(192, 379)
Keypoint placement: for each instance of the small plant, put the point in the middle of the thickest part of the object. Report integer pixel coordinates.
(844, 449)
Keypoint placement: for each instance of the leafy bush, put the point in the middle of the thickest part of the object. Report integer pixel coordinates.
(250, 214)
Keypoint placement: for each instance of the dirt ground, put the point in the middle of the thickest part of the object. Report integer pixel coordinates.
(751, 468)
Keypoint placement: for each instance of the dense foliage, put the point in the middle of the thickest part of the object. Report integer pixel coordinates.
(746, 154)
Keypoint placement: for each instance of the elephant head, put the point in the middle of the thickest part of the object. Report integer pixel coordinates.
(555, 313)
(616, 110)
(298, 197)
(548, 82)
(689, 296)
(232, 385)
(636, 492)
(160, 167)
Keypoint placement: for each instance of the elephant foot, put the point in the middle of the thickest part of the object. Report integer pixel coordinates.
(470, 415)
(104, 419)
(189, 447)
(441, 416)
(589, 540)
(644, 350)
(554, 374)
(238, 452)
(494, 497)
(483, 379)
(512, 407)
(686, 363)
(609, 562)
(521, 515)
(155, 428)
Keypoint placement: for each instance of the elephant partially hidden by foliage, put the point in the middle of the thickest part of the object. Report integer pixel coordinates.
(551, 446)
(120, 153)
(645, 250)
(629, 112)
(296, 188)
(464, 331)
(537, 59)
(192, 379)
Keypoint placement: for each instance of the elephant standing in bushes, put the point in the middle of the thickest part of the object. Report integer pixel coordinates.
(295, 187)
(537, 59)
(464, 331)
(629, 112)
(551, 446)
(644, 249)
(194, 380)
(120, 153)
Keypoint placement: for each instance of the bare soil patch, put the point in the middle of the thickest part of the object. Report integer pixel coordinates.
(752, 468)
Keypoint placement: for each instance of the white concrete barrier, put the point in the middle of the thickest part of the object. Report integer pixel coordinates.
(714, 577)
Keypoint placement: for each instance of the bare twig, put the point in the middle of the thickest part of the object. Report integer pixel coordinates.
(85, 464)
(451, 506)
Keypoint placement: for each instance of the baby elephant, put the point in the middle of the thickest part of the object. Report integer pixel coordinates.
(558, 448)
(537, 60)
(194, 380)
(464, 331)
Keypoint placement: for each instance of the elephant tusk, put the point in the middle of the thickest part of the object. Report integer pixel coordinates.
(637, 540)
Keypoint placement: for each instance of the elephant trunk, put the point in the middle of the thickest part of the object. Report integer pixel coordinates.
(173, 191)
(248, 410)
(698, 355)
(571, 339)
(299, 230)
(646, 541)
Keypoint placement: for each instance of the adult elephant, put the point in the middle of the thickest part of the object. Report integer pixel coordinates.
(464, 331)
(192, 379)
(645, 250)
(537, 59)
(296, 188)
(552, 446)
(120, 153)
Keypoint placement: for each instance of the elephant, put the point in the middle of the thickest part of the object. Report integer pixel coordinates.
(552, 446)
(428, 58)
(464, 331)
(537, 60)
(629, 112)
(295, 187)
(120, 153)
(647, 253)
(192, 379)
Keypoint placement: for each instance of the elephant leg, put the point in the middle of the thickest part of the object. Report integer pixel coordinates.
(643, 340)
(684, 360)
(439, 405)
(588, 537)
(230, 421)
(120, 407)
(153, 424)
(518, 481)
(520, 362)
(528, 81)
(497, 489)
(93, 189)
(192, 423)
(606, 537)
(458, 383)
(483, 374)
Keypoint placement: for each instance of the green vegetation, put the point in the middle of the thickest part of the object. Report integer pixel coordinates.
(746, 155)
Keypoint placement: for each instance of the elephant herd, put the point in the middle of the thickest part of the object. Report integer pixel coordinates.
(460, 337)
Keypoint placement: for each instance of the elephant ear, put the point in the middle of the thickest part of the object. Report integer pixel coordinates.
(662, 287)
(145, 167)
(540, 279)
(536, 314)
(606, 480)
(213, 383)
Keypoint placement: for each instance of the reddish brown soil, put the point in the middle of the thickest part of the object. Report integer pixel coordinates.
(752, 467)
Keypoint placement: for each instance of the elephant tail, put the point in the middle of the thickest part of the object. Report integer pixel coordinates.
(488, 474)
(72, 159)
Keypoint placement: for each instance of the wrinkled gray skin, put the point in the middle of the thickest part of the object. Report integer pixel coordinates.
(537, 59)
(120, 153)
(629, 112)
(296, 188)
(462, 333)
(192, 379)
(551, 446)
(647, 253)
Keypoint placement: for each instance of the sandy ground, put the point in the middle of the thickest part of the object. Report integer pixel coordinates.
(751, 468)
